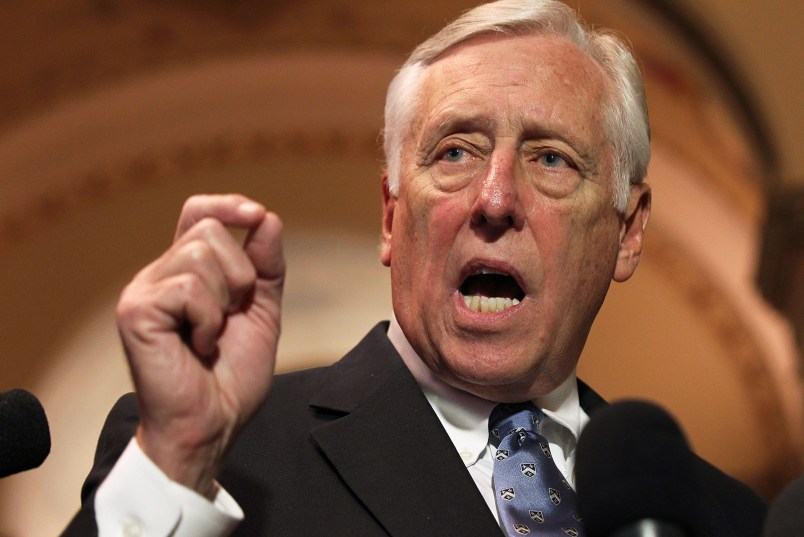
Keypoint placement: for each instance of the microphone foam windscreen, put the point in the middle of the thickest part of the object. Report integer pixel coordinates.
(24, 432)
(633, 463)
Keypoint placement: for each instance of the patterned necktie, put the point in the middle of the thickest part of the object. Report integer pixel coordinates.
(532, 495)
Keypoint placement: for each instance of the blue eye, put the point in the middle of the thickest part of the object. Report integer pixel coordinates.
(454, 154)
(552, 160)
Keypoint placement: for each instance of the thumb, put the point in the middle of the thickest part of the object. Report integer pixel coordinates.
(263, 245)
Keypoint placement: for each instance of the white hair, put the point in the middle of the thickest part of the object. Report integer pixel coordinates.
(625, 114)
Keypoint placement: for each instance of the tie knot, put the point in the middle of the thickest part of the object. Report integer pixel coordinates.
(508, 418)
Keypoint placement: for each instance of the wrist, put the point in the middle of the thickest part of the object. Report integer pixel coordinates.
(194, 466)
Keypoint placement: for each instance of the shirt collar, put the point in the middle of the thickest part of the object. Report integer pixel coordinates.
(465, 416)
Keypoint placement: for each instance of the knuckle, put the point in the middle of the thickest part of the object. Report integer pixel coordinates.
(198, 251)
(125, 309)
(132, 307)
(209, 228)
(194, 201)
(208, 293)
(191, 284)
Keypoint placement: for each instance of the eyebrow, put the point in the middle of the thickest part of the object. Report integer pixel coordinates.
(451, 124)
(457, 123)
(541, 132)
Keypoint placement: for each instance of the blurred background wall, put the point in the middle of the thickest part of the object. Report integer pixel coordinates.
(114, 111)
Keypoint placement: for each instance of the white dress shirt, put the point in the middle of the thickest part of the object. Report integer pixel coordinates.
(466, 419)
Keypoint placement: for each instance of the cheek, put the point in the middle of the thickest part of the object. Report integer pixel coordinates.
(594, 257)
(576, 242)
(552, 230)
(436, 220)
(422, 242)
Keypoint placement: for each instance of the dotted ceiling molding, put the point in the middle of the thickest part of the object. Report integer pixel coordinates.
(40, 210)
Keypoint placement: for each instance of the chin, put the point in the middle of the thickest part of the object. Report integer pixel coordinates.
(493, 374)
(498, 393)
(506, 380)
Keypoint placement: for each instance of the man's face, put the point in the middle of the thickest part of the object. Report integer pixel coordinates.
(505, 198)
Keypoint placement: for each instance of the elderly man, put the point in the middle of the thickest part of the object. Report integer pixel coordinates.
(516, 146)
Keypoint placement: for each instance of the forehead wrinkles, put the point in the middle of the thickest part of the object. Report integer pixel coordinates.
(450, 96)
(556, 70)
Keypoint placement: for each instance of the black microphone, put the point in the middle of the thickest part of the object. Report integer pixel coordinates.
(635, 475)
(786, 513)
(24, 432)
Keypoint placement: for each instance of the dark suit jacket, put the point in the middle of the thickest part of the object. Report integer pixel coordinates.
(355, 449)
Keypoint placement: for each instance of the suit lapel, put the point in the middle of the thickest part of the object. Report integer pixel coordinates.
(392, 452)
(590, 400)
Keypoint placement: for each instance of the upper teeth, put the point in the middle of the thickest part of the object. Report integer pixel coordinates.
(489, 304)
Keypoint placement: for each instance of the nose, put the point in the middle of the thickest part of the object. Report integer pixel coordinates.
(498, 204)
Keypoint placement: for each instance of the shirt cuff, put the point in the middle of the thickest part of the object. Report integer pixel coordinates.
(137, 498)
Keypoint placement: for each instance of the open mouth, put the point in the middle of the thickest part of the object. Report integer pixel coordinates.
(491, 292)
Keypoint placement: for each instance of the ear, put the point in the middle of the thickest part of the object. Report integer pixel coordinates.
(632, 231)
(388, 204)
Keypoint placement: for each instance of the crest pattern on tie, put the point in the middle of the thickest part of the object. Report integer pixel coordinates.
(533, 498)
